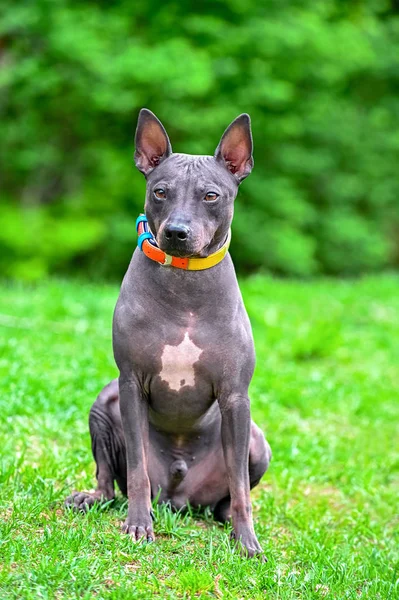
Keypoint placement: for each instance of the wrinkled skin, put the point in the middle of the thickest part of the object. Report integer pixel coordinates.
(177, 422)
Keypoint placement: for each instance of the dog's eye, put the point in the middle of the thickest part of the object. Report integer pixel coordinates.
(211, 196)
(160, 194)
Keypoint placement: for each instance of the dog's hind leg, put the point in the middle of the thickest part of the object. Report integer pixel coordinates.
(259, 459)
(108, 447)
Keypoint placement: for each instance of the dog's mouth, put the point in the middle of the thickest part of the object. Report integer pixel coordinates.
(183, 249)
(187, 249)
(180, 240)
(179, 251)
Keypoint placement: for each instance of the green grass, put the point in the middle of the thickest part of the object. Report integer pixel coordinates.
(326, 391)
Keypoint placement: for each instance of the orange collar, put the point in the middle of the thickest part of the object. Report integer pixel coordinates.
(147, 243)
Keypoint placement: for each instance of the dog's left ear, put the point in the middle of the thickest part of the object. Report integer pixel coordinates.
(235, 148)
(151, 142)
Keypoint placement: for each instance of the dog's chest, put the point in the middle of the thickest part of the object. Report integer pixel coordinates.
(178, 363)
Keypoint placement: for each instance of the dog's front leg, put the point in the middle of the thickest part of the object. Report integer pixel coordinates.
(236, 427)
(134, 413)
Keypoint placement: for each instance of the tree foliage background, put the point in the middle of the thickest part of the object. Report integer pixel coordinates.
(320, 80)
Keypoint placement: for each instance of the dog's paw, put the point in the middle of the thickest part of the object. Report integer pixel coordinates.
(248, 545)
(83, 501)
(139, 529)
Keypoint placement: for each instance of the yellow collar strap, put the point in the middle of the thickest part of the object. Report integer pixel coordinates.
(147, 243)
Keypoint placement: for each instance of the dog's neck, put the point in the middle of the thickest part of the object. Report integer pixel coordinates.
(177, 290)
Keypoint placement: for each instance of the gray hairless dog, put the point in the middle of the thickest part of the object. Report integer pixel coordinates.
(177, 423)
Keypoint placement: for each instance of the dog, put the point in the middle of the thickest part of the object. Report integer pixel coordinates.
(176, 424)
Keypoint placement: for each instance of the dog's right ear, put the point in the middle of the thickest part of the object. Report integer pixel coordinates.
(151, 142)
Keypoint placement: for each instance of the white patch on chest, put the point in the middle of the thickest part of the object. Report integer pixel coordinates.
(178, 363)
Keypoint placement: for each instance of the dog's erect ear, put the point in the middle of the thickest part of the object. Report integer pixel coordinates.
(151, 142)
(235, 147)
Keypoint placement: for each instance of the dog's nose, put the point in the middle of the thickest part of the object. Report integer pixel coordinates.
(176, 233)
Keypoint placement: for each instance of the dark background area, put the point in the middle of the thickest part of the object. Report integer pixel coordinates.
(319, 79)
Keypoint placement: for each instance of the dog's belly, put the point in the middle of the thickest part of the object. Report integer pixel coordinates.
(179, 412)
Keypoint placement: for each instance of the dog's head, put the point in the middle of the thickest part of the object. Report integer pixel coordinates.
(189, 199)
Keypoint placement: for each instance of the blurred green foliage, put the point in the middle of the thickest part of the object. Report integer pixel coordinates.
(320, 80)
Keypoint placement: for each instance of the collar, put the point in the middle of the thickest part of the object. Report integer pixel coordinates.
(147, 244)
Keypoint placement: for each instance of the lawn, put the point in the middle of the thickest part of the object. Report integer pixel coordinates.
(326, 392)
